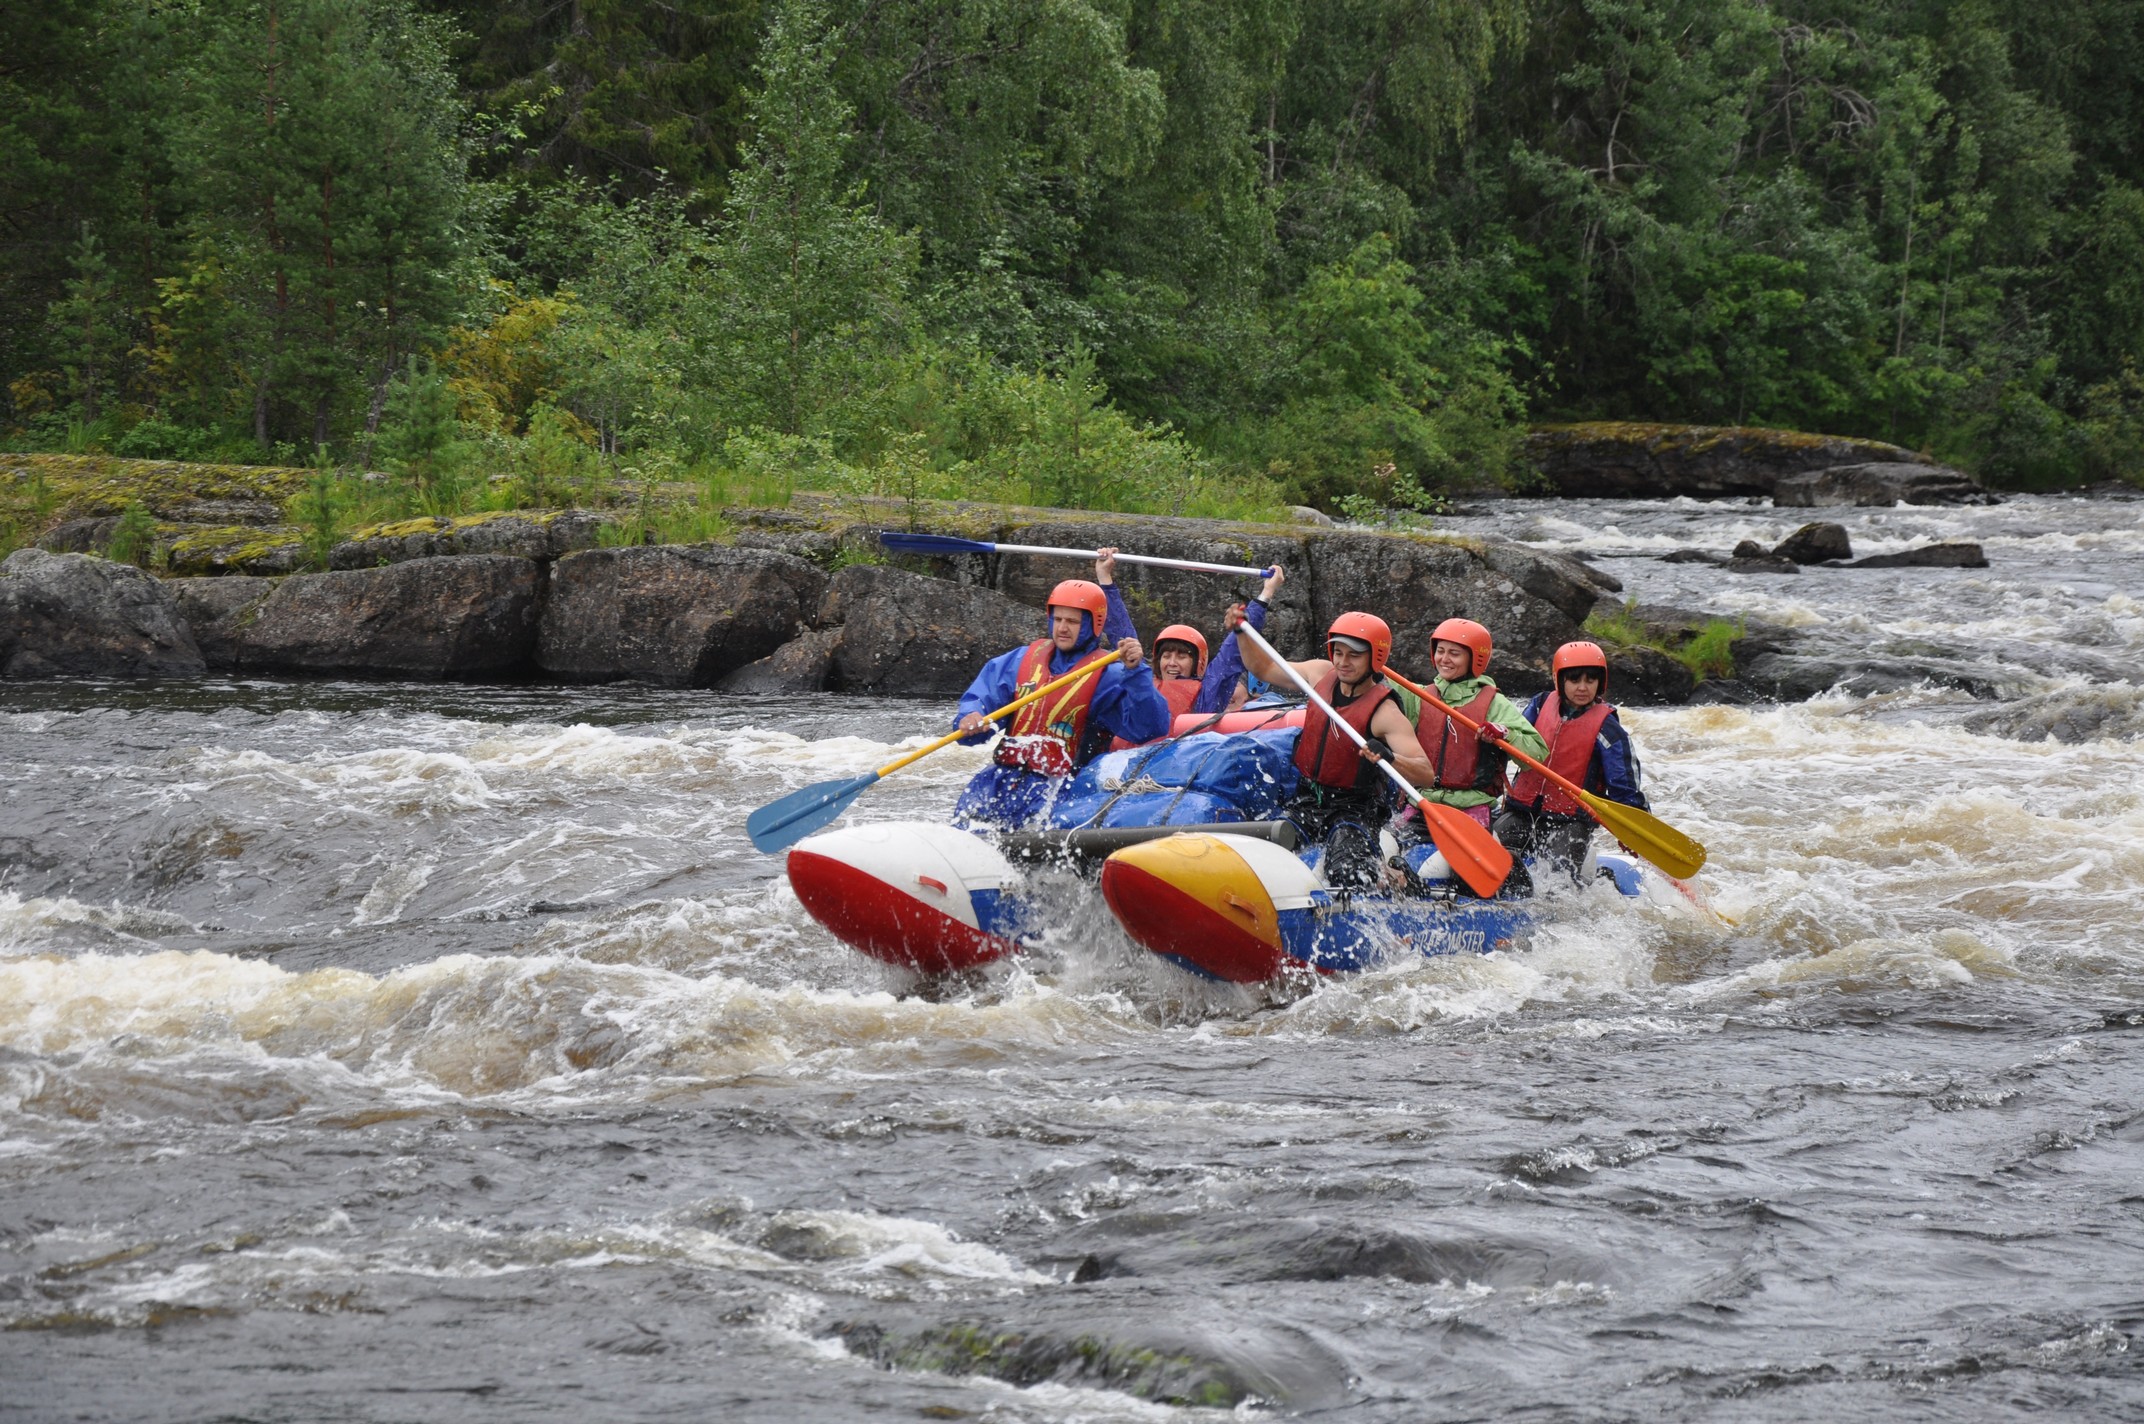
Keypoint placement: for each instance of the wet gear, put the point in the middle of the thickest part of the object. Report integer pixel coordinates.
(1049, 736)
(1326, 758)
(1455, 750)
(1570, 755)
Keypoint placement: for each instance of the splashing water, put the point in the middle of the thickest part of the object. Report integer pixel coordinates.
(392, 1052)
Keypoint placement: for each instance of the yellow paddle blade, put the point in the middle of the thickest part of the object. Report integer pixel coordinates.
(1647, 835)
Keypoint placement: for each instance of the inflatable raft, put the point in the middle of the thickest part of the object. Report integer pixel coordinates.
(1247, 912)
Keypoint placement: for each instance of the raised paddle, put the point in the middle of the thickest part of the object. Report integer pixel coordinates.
(1642, 831)
(939, 545)
(1478, 857)
(779, 825)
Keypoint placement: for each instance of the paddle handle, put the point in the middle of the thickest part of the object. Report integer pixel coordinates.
(1084, 670)
(1414, 797)
(1578, 793)
(1191, 564)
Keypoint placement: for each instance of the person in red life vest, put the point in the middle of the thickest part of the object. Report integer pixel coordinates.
(1050, 739)
(1587, 745)
(1465, 774)
(1179, 655)
(1341, 797)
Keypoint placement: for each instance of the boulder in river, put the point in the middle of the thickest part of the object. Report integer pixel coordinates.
(1621, 459)
(916, 636)
(218, 611)
(685, 615)
(1881, 482)
(799, 665)
(1958, 554)
(71, 615)
(1751, 557)
(1815, 543)
(1644, 677)
(473, 616)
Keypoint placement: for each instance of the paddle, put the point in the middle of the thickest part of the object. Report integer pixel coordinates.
(1642, 831)
(939, 545)
(779, 825)
(1478, 857)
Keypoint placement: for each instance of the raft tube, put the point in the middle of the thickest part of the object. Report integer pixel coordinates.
(1247, 911)
(913, 894)
(1247, 719)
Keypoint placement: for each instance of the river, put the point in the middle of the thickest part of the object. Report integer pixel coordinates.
(414, 1053)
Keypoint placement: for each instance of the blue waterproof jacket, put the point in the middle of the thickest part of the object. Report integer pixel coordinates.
(1614, 771)
(1126, 704)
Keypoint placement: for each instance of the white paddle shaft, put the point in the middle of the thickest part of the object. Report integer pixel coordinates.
(1190, 564)
(1414, 797)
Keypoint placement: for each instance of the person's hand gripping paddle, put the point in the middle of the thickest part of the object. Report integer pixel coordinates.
(1642, 831)
(779, 825)
(1478, 857)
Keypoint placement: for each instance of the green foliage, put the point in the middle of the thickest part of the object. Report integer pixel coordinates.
(134, 537)
(420, 437)
(1178, 256)
(318, 510)
(1710, 650)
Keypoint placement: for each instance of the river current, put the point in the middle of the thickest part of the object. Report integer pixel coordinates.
(376, 1052)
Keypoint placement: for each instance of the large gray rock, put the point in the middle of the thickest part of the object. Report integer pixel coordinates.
(916, 636)
(1957, 555)
(1415, 584)
(672, 614)
(527, 536)
(1644, 677)
(800, 665)
(1876, 483)
(1629, 460)
(468, 617)
(70, 615)
(1815, 543)
(218, 611)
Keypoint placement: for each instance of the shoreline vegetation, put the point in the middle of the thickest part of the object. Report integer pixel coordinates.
(1156, 259)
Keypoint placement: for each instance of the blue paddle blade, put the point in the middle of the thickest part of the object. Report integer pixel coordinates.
(937, 544)
(779, 825)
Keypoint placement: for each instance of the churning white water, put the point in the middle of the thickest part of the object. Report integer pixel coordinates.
(417, 1053)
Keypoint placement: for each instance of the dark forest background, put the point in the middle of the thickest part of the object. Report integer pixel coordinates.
(1180, 254)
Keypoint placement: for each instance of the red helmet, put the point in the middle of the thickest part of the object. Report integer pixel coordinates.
(1366, 628)
(1189, 636)
(1579, 655)
(1087, 597)
(1469, 635)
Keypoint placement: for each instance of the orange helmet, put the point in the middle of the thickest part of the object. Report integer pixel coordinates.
(1579, 655)
(1364, 628)
(1469, 635)
(1189, 636)
(1087, 597)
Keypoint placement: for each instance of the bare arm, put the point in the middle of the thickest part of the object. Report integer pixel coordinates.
(1390, 726)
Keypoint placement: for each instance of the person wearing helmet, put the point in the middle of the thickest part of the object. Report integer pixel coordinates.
(1050, 739)
(1587, 745)
(1341, 797)
(1180, 658)
(1464, 774)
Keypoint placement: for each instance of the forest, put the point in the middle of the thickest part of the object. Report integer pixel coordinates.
(1194, 256)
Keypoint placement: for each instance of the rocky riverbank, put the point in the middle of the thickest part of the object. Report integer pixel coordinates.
(803, 599)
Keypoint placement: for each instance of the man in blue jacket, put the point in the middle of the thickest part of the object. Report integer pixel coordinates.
(1052, 738)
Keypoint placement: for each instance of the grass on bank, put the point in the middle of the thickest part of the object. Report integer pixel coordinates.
(1707, 649)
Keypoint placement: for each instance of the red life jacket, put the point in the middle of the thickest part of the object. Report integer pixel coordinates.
(1179, 693)
(1047, 736)
(1325, 755)
(1456, 751)
(1570, 755)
